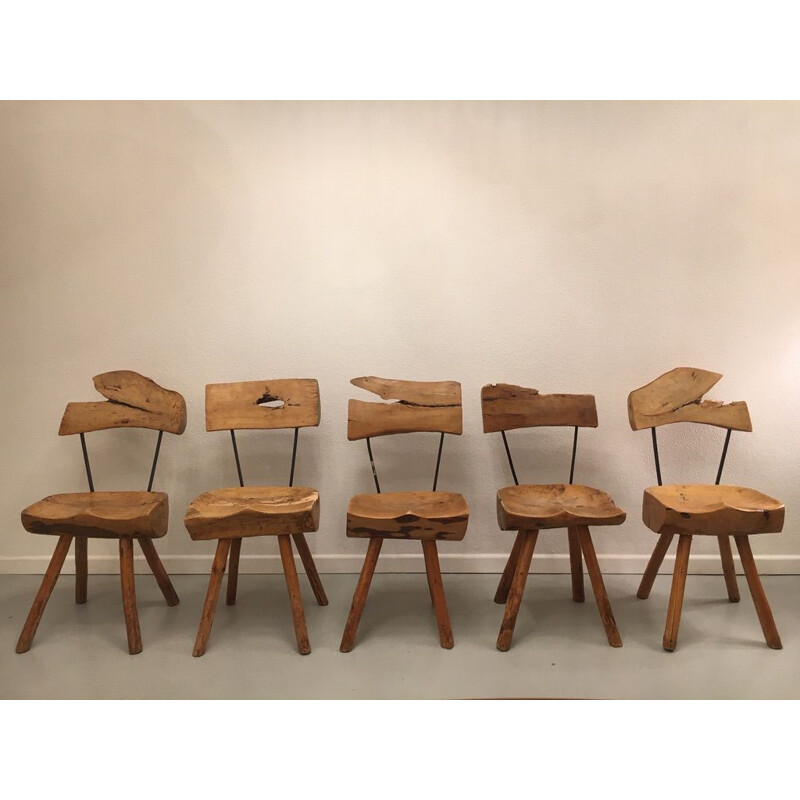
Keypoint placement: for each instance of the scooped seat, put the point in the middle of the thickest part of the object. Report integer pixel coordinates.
(408, 515)
(557, 505)
(100, 515)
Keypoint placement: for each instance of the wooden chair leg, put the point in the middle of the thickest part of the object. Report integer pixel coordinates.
(670, 640)
(517, 589)
(576, 565)
(159, 573)
(310, 567)
(295, 598)
(81, 569)
(757, 591)
(437, 592)
(598, 587)
(212, 595)
(728, 569)
(129, 595)
(360, 595)
(43, 595)
(664, 541)
(233, 571)
(501, 595)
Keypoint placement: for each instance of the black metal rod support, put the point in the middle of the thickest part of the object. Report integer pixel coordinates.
(86, 463)
(655, 454)
(236, 456)
(722, 460)
(294, 456)
(372, 464)
(574, 450)
(438, 461)
(155, 462)
(510, 460)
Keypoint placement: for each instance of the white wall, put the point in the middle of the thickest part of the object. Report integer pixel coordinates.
(573, 247)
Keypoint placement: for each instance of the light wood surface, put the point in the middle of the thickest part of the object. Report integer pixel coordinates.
(517, 589)
(310, 567)
(417, 406)
(408, 515)
(253, 511)
(506, 406)
(706, 509)
(134, 401)
(436, 587)
(159, 572)
(101, 515)
(559, 505)
(212, 596)
(670, 640)
(295, 598)
(677, 396)
(653, 565)
(128, 583)
(598, 587)
(360, 595)
(757, 593)
(257, 405)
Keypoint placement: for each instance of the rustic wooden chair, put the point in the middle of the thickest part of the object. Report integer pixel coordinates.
(133, 401)
(529, 508)
(229, 515)
(424, 516)
(687, 510)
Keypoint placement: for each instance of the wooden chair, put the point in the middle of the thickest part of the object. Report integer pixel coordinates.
(529, 508)
(686, 510)
(288, 512)
(132, 401)
(424, 516)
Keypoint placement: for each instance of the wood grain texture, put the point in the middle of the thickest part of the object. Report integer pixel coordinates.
(260, 405)
(436, 587)
(599, 587)
(43, 595)
(506, 407)
(134, 401)
(558, 505)
(517, 589)
(360, 595)
(408, 515)
(128, 583)
(711, 510)
(212, 596)
(253, 511)
(677, 396)
(295, 598)
(757, 593)
(670, 640)
(418, 406)
(100, 515)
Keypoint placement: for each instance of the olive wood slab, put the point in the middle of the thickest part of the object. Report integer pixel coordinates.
(506, 407)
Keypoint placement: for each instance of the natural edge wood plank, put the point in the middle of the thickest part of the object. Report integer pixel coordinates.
(505, 407)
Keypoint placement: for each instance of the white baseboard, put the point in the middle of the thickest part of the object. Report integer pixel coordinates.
(400, 562)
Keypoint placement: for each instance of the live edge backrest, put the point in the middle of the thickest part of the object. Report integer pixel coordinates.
(417, 406)
(132, 401)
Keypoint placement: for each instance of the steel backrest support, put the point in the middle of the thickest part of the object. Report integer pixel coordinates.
(721, 461)
(435, 474)
(571, 464)
(239, 465)
(89, 468)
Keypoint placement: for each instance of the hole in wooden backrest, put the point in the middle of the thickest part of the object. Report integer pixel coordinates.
(270, 401)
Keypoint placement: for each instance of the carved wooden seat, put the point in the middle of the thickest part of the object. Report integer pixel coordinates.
(100, 515)
(557, 505)
(253, 511)
(232, 514)
(530, 508)
(688, 510)
(133, 401)
(425, 516)
(408, 515)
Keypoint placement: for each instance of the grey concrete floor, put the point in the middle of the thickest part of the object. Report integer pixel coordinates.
(559, 648)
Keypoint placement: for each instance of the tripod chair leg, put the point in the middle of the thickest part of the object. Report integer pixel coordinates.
(501, 595)
(212, 595)
(517, 589)
(129, 595)
(664, 541)
(233, 571)
(576, 565)
(670, 640)
(728, 569)
(295, 598)
(599, 587)
(81, 569)
(437, 592)
(43, 595)
(311, 568)
(757, 591)
(159, 573)
(360, 595)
